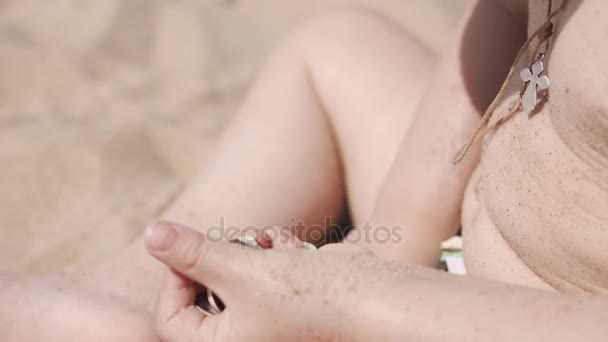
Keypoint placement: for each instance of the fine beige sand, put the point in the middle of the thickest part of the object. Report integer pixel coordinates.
(107, 107)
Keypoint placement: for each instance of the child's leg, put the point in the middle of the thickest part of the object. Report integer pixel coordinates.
(326, 115)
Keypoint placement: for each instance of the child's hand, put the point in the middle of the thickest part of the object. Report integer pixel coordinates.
(270, 295)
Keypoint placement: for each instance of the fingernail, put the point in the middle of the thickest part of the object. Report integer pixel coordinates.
(161, 237)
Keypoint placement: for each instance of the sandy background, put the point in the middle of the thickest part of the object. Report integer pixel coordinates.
(106, 107)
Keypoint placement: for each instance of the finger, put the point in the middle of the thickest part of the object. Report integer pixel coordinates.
(178, 292)
(176, 317)
(260, 236)
(218, 265)
(275, 237)
(282, 238)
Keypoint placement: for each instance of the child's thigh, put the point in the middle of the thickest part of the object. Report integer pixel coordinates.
(369, 75)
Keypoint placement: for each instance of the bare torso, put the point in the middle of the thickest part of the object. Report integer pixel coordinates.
(536, 209)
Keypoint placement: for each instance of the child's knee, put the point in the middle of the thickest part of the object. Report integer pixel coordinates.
(345, 28)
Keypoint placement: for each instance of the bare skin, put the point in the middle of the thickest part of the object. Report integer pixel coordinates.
(329, 295)
(315, 118)
(284, 135)
(526, 230)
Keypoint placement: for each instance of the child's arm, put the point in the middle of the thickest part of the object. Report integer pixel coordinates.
(423, 175)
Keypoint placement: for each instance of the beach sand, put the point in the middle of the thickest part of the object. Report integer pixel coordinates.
(107, 108)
